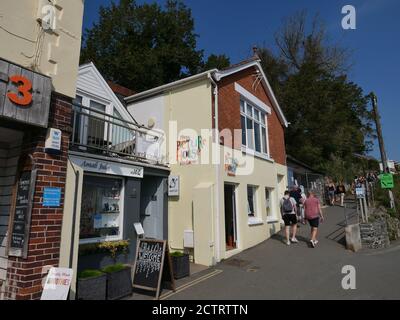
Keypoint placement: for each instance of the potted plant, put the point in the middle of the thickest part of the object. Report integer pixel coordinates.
(180, 264)
(119, 276)
(91, 285)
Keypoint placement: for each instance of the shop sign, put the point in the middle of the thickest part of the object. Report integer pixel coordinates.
(387, 181)
(231, 165)
(24, 95)
(53, 141)
(173, 186)
(18, 246)
(360, 192)
(57, 285)
(153, 266)
(107, 167)
(51, 197)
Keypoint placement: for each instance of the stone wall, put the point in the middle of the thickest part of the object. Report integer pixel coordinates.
(374, 235)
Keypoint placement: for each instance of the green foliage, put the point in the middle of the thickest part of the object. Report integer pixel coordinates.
(114, 268)
(89, 274)
(217, 62)
(177, 254)
(329, 114)
(142, 46)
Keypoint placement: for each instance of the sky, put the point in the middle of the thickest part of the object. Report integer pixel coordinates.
(233, 27)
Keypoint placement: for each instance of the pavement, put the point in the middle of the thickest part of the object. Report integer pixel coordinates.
(273, 270)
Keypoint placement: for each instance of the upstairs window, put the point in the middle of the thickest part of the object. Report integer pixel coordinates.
(254, 128)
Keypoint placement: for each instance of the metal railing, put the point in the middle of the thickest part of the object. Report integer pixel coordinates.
(100, 133)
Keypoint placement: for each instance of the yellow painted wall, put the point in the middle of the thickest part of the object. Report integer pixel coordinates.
(190, 106)
(264, 175)
(55, 54)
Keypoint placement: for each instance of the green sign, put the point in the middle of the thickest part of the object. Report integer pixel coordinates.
(387, 181)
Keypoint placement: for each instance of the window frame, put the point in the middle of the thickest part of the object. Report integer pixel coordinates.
(256, 218)
(251, 147)
(273, 218)
(121, 212)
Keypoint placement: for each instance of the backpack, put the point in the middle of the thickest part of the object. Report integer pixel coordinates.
(287, 206)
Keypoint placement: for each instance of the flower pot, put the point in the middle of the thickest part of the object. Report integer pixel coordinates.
(119, 284)
(92, 288)
(181, 266)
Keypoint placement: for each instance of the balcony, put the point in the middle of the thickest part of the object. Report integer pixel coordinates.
(103, 134)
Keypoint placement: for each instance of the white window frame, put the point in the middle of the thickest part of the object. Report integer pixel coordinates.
(256, 219)
(265, 154)
(121, 213)
(272, 205)
(86, 99)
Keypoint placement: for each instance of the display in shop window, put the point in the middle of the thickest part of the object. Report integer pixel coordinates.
(101, 205)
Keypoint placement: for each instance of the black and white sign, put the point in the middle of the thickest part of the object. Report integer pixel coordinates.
(173, 186)
(22, 214)
(107, 167)
(152, 266)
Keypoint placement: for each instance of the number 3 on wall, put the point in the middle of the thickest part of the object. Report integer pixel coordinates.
(24, 96)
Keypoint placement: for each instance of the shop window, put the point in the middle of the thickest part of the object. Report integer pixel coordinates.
(101, 211)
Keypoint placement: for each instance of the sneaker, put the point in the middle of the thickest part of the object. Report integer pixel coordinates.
(312, 243)
(316, 242)
(294, 240)
(288, 243)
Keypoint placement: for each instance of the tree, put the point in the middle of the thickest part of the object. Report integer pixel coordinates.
(217, 62)
(329, 116)
(143, 46)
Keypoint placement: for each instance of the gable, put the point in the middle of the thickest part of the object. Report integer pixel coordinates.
(92, 84)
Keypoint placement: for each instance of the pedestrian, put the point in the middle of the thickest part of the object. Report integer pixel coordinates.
(313, 213)
(341, 191)
(301, 207)
(296, 195)
(331, 192)
(289, 216)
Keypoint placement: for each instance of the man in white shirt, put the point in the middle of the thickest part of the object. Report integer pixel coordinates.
(289, 216)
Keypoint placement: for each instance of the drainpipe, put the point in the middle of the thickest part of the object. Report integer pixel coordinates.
(217, 173)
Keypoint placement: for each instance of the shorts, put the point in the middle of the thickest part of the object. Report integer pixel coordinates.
(314, 223)
(290, 219)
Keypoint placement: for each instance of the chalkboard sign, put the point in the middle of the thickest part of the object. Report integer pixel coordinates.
(22, 214)
(152, 266)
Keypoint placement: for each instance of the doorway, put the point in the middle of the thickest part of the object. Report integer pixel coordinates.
(230, 216)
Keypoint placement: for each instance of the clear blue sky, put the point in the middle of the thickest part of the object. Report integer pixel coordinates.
(234, 26)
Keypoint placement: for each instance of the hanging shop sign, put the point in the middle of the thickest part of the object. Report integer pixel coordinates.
(18, 244)
(153, 266)
(57, 285)
(107, 167)
(387, 181)
(24, 95)
(173, 186)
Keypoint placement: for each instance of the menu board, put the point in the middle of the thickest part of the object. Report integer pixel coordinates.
(22, 213)
(152, 265)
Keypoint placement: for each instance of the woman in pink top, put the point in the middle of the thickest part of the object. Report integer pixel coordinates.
(313, 214)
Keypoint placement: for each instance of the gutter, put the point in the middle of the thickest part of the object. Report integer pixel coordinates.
(169, 86)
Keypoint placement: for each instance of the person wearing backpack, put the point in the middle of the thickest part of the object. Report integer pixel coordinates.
(289, 216)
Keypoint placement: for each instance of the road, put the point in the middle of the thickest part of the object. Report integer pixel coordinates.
(273, 270)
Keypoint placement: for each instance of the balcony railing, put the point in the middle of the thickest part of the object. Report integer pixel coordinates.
(101, 133)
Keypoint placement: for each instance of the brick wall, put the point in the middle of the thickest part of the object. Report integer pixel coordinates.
(229, 111)
(24, 276)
